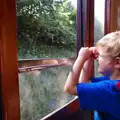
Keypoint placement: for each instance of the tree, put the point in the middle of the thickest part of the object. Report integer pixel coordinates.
(48, 23)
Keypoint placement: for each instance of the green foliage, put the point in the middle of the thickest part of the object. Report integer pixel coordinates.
(45, 23)
(44, 51)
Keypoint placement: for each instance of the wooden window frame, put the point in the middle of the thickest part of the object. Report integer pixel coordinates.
(9, 61)
(8, 51)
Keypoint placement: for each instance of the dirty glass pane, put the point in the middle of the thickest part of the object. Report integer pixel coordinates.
(46, 28)
(99, 11)
(41, 92)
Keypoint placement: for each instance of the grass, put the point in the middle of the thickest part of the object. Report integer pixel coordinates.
(46, 52)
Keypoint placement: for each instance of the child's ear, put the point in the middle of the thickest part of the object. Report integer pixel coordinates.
(117, 62)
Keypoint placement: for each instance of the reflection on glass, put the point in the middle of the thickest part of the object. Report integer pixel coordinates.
(98, 23)
(46, 29)
(41, 92)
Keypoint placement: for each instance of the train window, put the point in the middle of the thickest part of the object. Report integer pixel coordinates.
(99, 12)
(46, 29)
(41, 92)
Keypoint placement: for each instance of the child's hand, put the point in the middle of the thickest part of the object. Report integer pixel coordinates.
(94, 52)
(85, 53)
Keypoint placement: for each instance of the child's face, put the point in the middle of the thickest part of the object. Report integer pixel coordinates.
(105, 61)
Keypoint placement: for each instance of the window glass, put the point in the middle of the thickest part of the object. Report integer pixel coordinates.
(99, 11)
(41, 92)
(46, 28)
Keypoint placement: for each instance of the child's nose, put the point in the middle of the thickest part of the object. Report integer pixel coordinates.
(97, 56)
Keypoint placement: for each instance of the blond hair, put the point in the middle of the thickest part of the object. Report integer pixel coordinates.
(111, 41)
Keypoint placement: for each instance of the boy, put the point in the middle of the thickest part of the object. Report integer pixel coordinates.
(102, 93)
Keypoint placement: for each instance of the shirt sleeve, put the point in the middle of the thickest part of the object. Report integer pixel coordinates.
(98, 79)
(91, 95)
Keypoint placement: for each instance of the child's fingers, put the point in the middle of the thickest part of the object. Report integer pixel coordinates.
(95, 50)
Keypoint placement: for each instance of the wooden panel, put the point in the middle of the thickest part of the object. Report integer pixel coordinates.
(8, 60)
(79, 25)
(38, 64)
(91, 23)
(88, 22)
(107, 16)
(85, 23)
(111, 15)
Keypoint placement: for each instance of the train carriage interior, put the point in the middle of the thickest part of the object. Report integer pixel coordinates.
(39, 42)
